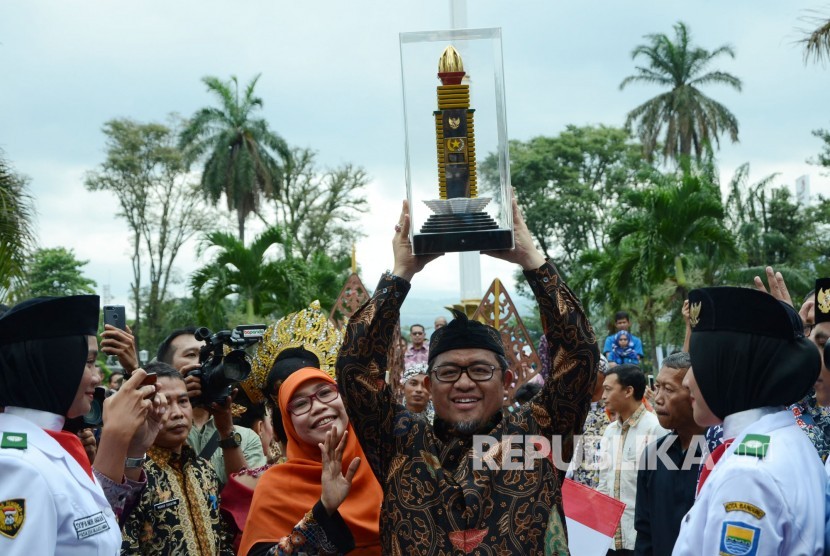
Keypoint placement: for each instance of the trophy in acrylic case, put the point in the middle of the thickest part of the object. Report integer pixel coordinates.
(450, 208)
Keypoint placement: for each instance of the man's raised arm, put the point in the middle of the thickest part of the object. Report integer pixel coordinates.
(562, 405)
(362, 362)
(566, 395)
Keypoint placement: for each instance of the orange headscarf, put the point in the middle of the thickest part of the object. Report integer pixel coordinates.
(286, 492)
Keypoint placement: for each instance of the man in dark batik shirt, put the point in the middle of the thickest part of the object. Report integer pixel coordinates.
(439, 498)
(178, 510)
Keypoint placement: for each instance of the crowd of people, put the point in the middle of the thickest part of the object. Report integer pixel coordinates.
(315, 452)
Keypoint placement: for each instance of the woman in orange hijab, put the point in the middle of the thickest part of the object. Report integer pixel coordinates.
(301, 505)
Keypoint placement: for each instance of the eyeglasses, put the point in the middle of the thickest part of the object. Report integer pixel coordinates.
(302, 405)
(808, 329)
(478, 372)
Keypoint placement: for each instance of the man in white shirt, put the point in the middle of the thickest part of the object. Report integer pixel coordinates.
(622, 443)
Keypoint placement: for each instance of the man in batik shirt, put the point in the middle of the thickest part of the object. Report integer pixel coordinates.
(585, 465)
(178, 511)
(448, 489)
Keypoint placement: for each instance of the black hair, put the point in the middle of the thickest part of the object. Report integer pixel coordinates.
(163, 370)
(526, 392)
(421, 326)
(3, 309)
(165, 353)
(620, 315)
(630, 375)
(253, 411)
(679, 360)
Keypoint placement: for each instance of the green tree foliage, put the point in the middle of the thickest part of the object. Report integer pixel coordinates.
(17, 235)
(658, 233)
(145, 170)
(818, 215)
(318, 208)
(687, 119)
(769, 229)
(265, 278)
(56, 271)
(568, 185)
(823, 158)
(817, 39)
(817, 238)
(240, 150)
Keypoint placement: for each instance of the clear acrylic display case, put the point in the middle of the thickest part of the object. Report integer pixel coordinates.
(454, 119)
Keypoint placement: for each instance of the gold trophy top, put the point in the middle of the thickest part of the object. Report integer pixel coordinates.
(450, 61)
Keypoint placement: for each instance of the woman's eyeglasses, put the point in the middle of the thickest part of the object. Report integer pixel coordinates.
(302, 405)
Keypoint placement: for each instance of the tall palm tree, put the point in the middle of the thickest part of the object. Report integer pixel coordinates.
(685, 117)
(17, 235)
(817, 41)
(239, 149)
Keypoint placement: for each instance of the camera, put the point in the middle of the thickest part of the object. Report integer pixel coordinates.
(224, 361)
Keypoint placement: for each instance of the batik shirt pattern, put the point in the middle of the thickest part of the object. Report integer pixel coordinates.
(587, 454)
(814, 420)
(178, 512)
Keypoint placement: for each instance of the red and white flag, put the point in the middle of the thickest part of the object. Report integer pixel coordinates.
(591, 517)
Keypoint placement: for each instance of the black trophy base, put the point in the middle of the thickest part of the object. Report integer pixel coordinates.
(447, 233)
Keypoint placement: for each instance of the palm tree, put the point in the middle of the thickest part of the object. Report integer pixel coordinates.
(817, 41)
(240, 150)
(660, 232)
(685, 117)
(264, 284)
(17, 236)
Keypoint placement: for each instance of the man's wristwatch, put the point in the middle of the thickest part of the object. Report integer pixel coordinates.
(135, 463)
(233, 441)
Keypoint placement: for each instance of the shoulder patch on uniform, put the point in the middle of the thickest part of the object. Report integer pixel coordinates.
(753, 445)
(739, 538)
(746, 507)
(14, 440)
(14, 514)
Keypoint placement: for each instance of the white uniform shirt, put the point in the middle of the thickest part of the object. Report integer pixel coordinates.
(619, 463)
(63, 511)
(760, 506)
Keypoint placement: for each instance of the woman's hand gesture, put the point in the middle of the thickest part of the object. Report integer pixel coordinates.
(335, 485)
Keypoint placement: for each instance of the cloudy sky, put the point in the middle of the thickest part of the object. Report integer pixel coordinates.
(331, 81)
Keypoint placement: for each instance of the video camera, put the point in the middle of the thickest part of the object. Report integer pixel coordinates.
(220, 371)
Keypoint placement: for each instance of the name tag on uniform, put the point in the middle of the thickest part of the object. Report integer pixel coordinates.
(168, 504)
(91, 525)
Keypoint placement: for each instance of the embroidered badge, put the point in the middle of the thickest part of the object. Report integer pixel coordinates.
(694, 313)
(753, 445)
(740, 539)
(14, 513)
(167, 504)
(91, 525)
(14, 440)
(823, 300)
(745, 507)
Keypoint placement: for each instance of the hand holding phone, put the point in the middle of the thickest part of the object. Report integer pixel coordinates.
(116, 316)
